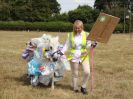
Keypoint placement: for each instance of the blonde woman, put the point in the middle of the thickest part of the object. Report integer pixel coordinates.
(77, 46)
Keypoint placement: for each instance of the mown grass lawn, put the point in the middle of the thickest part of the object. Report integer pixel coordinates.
(113, 70)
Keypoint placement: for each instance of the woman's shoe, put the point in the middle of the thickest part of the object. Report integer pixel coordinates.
(84, 91)
(76, 91)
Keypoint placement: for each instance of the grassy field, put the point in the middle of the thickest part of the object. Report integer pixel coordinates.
(113, 70)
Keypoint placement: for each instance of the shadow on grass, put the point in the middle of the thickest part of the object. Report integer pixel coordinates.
(24, 80)
(63, 86)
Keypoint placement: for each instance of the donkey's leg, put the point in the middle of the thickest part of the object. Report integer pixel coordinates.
(52, 85)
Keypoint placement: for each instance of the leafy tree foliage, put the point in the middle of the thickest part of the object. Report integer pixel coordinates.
(28, 10)
(108, 4)
(120, 8)
(113, 6)
(59, 17)
(84, 13)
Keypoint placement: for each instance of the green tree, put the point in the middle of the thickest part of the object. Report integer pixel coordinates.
(43, 9)
(22, 10)
(28, 10)
(120, 8)
(108, 5)
(84, 13)
(59, 17)
(5, 9)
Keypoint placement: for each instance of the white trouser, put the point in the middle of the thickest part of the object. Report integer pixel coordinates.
(86, 70)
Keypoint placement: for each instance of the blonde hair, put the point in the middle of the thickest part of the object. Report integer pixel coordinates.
(78, 23)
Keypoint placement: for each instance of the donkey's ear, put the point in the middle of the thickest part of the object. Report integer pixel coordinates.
(43, 35)
(56, 38)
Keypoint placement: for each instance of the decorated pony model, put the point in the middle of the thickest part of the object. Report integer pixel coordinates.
(47, 64)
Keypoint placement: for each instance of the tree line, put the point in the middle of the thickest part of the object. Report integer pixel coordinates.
(28, 10)
(49, 11)
(42, 10)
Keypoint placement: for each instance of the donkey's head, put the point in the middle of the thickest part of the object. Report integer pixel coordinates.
(54, 44)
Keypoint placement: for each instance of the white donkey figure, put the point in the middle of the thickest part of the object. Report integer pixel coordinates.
(47, 65)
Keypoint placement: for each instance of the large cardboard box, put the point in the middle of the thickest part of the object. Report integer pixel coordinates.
(103, 28)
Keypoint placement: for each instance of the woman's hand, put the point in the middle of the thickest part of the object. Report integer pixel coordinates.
(93, 45)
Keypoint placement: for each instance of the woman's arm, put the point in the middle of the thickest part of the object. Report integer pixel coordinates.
(90, 43)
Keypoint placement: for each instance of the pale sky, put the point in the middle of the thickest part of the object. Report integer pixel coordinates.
(67, 5)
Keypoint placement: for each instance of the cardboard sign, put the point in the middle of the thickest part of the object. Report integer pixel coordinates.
(103, 28)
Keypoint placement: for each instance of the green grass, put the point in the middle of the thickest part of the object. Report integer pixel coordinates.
(113, 70)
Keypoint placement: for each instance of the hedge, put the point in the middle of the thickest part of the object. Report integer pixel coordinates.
(42, 26)
(55, 26)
